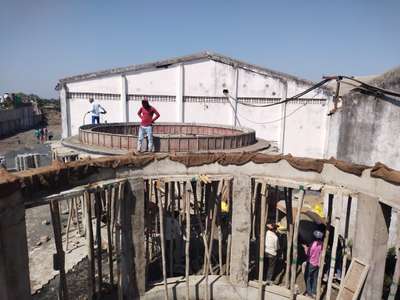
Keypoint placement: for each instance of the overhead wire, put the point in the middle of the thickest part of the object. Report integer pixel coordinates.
(338, 78)
(315, 86)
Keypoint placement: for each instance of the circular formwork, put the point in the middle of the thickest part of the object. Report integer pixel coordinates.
(168, 137)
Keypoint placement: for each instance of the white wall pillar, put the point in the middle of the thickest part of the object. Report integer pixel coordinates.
(124, 100)
(283, 116)
(234, 93)
(65, 113)
(179, 94)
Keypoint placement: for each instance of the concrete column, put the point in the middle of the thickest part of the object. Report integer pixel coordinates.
(180, 110)
(283, 116)
(14, 263)
(234, 94)
(370, 244)
(133, 260)
(124, 100)
(65, 113)
(241, 227)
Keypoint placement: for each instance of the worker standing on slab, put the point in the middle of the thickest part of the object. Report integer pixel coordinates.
(148, 115)
(96, 107)
(271, 251)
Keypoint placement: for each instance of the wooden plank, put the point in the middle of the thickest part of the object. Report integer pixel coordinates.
(353, 282)
(333, 258)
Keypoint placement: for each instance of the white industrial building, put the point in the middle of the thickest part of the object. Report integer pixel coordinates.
(190, 89)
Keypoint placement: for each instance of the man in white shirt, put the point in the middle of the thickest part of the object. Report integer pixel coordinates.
(96, 111)
(271, 250)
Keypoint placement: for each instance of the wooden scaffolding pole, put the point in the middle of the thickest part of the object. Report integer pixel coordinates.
(98, 210)
(89, 240)
(295, 239)
(109, 235)
(117, 224)
(396, 275)
(162, 237)
(324, 247)
(219, 197)
(55, 218)
(289, 235)
(264, 211)
(333, 258)
(197, 211)
(187, 244)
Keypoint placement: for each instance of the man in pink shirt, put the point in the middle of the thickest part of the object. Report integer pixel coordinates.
(313, 256)
(146, 114)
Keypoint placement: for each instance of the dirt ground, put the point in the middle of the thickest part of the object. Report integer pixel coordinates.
(25, 141)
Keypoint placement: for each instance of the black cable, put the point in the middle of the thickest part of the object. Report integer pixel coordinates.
(321, 83)
(371, 87)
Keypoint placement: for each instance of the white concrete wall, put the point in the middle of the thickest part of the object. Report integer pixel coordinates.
(154, 82)
(202, 83)
(111, 85)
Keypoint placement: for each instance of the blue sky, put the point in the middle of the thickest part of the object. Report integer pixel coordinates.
(45, 40)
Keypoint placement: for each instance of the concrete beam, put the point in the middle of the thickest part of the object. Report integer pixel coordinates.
(124, 102)
(14, 264)
(65, 113)
(283, 117)
(370, 244)
(234, 94)
(241, 227)
(179, 94)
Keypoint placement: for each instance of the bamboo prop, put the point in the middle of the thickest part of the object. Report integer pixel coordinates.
(117, 238)
(253, 209)
(187, 244)
(82, 199)
(333, 258)
(147, 223)
(346, 235)
(289, 236)
(276, 204)
(216, 203)
(109, 235)
(295, 240)
(89, 238)
(206, 225)
(75, 204)
(171, 241)
(264, 209)
(98, 209)
(70, 210)
(396, 275)
(220, 195)
(324, 248)
(197, 215)
(55, 217)
(178, 184)
(164, 267)
(229, 242)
